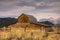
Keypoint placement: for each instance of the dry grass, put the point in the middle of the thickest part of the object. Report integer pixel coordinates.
(19, 33)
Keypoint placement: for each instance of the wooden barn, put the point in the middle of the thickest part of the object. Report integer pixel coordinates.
(24, 18)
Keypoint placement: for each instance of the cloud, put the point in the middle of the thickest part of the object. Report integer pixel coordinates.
(16, 12)
(15, 7)
(38, 4)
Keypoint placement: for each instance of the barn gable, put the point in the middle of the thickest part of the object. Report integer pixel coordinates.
(24, 18)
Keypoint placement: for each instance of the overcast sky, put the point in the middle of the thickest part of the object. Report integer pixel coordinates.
(38, 8)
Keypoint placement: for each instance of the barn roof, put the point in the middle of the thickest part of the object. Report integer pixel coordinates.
(30, 18)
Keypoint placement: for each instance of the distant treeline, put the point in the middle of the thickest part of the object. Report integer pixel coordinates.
(7, 21)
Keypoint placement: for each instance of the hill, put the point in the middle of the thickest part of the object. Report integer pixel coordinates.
(7, 21)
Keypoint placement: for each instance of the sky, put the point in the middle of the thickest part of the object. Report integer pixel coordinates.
(37, 8)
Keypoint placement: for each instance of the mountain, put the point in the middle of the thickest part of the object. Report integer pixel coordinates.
(44, 19)
(58, 21)
(7, 21)
(47, 23)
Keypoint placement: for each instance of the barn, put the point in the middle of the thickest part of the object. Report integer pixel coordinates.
(24, 18)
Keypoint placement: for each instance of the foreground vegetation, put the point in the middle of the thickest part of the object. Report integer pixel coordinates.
(20, 33)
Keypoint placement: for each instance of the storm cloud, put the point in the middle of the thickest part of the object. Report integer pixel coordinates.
(38, 4)
(18, 6)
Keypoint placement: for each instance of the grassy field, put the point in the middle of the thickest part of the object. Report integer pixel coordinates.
(19, 33)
